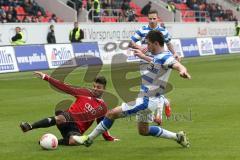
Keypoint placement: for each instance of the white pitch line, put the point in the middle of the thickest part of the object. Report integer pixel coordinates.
(74, 73)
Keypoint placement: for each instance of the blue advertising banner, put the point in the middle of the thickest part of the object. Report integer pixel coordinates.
(31, 57)
(220, 45)
(87, 53)
(190, 47)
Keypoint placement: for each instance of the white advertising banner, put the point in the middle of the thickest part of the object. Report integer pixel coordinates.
(36, 33)
(205, 46)
(8, 61)
(233, 44)
(194, 30)
(177, 46)
(60, 55)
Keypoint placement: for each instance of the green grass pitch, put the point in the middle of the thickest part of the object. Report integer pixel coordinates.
(206, 107)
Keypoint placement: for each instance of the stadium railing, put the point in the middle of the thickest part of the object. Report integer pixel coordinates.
(106, 15)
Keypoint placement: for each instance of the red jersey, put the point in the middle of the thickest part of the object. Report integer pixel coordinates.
(86, 109)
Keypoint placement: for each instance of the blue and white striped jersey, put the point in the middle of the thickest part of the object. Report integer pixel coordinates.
(141, 34)
(155, 76)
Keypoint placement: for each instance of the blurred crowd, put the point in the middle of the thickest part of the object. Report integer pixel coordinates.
(12, 11)
(120, 9)
(215, 10)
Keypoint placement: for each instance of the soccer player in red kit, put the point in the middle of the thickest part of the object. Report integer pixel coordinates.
(87, 108)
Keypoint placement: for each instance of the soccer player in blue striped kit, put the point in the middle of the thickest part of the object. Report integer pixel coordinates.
(149, 95)
(138, 41)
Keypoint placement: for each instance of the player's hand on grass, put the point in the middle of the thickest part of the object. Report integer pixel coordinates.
(112, 139)
(185, 74)
(115, 139)
(39, 74)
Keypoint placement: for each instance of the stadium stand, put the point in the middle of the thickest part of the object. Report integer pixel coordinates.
(235, 1)
(202, 11)
(191, 11)
(12, 11)
(117, 11)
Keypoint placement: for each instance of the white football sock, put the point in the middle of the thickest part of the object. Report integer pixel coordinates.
(97, 131)
(168, 134)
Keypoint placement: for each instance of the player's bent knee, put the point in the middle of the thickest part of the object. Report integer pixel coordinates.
(143, 131)
(60, 119)
(72, 142)
(114, 113)
(111, 115)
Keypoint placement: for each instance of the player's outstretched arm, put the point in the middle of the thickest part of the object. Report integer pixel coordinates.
(140, 54)
(133, 45)
(58, 84)
(175, 55)
(40, 75)
(182, 70)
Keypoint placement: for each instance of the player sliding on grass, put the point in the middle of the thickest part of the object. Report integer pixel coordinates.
(149, 97)
(80, 116)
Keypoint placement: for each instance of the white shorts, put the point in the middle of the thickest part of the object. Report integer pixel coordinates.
(143, 107)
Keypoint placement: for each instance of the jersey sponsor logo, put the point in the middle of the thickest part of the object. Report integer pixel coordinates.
(151, 68)
(89, 108)
(7, 60)
(89, 113)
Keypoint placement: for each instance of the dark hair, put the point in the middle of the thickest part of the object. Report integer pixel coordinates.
(101, 80)
(153, 11)
(156, 36)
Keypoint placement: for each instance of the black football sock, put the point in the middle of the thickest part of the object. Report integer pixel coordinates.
(44, 123)
(63, 142)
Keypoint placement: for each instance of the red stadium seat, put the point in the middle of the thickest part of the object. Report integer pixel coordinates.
(181, 6)
(20, 13)
(189, 19)
(108, 19)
